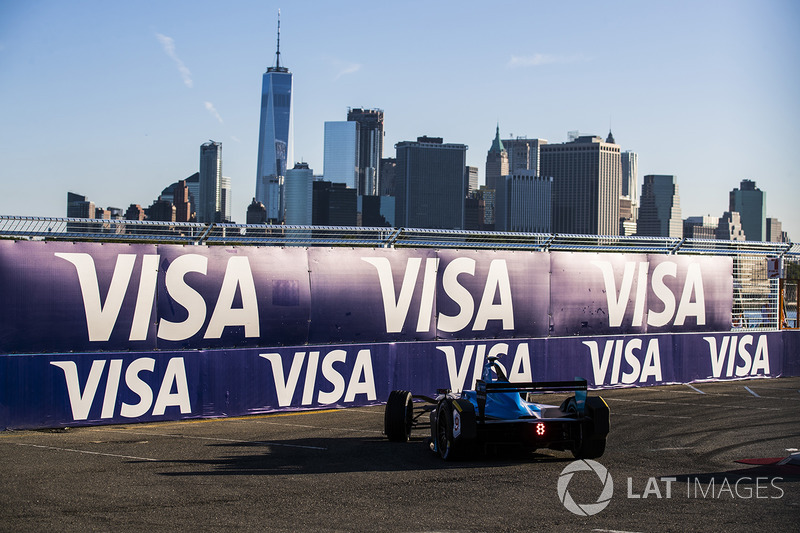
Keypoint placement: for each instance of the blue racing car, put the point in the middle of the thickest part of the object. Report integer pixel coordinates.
(498, 412)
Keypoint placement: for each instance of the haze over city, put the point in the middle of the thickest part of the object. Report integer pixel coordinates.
(114, 100)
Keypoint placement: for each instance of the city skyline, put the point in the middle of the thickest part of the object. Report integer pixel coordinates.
(710, 101)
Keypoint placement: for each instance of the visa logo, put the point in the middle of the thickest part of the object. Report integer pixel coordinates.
(362, 378)
(674, 308)
(495, 302)
(459, 372)
(101, 316)
(735, 356)
(172, 392)
(609, 370)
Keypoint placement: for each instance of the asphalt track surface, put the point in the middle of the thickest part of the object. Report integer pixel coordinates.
(334, 471)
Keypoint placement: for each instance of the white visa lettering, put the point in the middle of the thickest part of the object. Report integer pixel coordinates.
(458, 372)
(736, 351)
(185, 296)
(102, 314)
(81, 401)
(101, 317)
(361, 380)
(238, 275)
(497, 287)
(691, 303)
(615, 351)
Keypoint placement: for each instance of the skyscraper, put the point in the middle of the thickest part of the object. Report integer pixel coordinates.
(751, 204)
(387, 173)
(225, 199)
(79, 206)
(586, 185)
(774, 230)
(334, 204)
(630, 174)
(134, 212)
(730, 227)
(523, 154)
(660, 208)
(496, 161)
(370, 148)
(298, 193)
(340, 164)
(628, 200)
(430, 184)
(180, 199)
(486, 200)
(209, 204)
(193, 184)
(523, 202)
(700, 227)
(256, 213)
(274, 134)
(472, 179)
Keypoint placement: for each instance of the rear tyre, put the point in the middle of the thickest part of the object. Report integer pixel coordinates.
(592, 443)
(590, 448)
(399, 416)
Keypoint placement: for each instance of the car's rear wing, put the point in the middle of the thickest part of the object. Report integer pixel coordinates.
(539, 387)
(578, 386)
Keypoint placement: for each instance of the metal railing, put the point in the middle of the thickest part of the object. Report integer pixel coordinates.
(756, 295)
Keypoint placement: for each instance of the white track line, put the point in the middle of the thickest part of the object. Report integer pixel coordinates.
(710, 394)
(751, 392)
(613, 531)
(84, 451)
(217, 439)
(651, 416)
(693, 404)
(305, 426)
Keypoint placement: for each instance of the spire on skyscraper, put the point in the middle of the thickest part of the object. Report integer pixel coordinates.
(274, 135)
(278, 67)
(497, 144)
(610, 138)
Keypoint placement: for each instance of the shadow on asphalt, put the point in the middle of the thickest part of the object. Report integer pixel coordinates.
(343, 455)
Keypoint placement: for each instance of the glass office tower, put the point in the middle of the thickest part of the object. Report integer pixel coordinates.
(341, 153)
(660, 208)
(430, 184)
(209, 204)
(751, 204)
(274, 134)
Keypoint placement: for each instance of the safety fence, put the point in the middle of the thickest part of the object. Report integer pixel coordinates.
(765, 274)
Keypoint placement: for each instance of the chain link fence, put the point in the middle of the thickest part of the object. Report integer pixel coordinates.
(765, 274)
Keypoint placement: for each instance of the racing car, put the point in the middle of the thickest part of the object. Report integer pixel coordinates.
(499, 412)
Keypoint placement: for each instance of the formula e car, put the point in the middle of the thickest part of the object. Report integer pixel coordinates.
(498, 412)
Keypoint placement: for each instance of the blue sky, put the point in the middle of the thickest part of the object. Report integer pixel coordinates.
(113, 99)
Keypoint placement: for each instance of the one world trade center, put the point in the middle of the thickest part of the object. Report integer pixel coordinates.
(274, 135)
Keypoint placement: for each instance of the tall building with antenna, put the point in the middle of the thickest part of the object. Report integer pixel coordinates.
(274, 135)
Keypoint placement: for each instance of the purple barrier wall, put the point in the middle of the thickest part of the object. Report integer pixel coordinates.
(113, 333)
(123, 387)
(86, 297)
